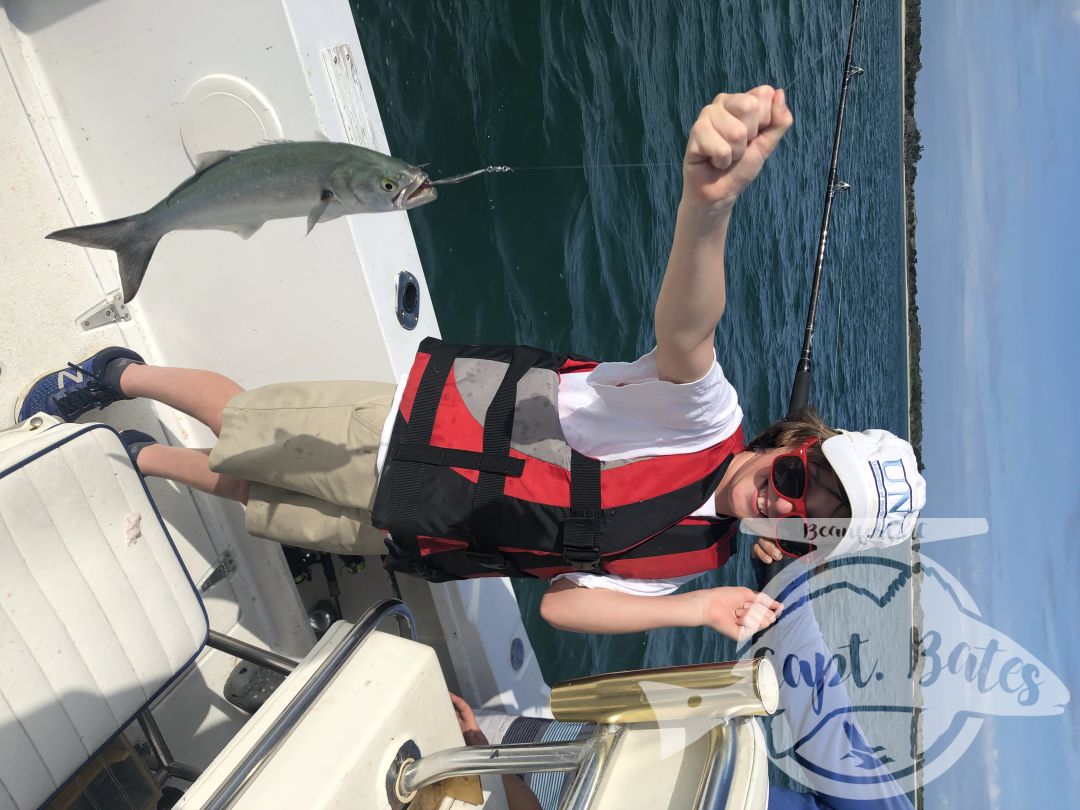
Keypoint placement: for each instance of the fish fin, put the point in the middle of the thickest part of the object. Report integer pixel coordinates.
(133, 263)
(208, 159)
(320, 208)
(124, 236)
(243, 231)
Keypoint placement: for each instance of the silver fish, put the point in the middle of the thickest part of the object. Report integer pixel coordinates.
(239, 191)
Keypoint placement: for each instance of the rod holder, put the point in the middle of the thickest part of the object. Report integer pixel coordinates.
(722, 690)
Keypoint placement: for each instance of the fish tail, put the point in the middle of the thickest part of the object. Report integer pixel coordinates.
(124, 236)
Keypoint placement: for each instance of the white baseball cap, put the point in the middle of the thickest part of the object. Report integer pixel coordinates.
(881, 479)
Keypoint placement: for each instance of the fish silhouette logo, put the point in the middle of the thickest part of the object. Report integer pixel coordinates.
(870, 708)
(702, 710)
(868, 758)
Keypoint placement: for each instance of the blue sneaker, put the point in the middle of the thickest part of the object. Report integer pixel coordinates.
(70, 392)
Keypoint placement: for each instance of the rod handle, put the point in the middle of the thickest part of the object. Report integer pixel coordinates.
(800, 388)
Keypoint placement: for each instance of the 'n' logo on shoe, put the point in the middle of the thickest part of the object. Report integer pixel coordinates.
(72, 374)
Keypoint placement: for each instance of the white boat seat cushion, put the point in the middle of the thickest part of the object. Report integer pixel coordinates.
(97, 613)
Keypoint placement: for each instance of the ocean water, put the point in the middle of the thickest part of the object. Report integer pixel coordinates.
(568, 251)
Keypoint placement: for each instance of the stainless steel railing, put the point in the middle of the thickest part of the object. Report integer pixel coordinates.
(298, 706)
(731, 694)
(589, 758)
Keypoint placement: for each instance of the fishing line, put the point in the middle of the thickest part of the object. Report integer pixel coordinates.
(806, 69)
(502, 169)
(826, 51)
(596, 166)
(457, 178)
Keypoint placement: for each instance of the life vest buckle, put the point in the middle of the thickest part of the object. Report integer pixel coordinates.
(580, 546)
(584, 559)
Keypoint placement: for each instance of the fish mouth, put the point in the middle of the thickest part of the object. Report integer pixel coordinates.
(418, 192)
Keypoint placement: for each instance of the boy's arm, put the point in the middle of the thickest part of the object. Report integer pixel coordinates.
(735, 612)
(726, 149)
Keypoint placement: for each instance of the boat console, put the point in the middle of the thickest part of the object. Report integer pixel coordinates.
(100, 618)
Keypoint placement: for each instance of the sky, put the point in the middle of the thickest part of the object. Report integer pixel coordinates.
(998, 275)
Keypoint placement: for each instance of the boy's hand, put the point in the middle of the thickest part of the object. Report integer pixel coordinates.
(766, 550)
(730, 142)
(738, 612)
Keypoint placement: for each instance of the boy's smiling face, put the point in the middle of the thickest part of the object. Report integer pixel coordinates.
(745, 492)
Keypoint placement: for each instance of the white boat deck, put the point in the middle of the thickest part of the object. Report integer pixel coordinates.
(104, 104)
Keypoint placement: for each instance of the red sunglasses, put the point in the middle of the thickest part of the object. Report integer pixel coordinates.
(790, 479)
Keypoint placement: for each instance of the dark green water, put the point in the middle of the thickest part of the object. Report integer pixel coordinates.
(572, 258)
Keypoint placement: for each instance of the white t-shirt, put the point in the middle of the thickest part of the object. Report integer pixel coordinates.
(622, 410)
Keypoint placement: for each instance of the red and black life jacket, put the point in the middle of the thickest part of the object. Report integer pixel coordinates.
(480, 481)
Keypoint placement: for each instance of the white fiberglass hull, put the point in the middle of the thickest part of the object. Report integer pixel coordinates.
(103, 104)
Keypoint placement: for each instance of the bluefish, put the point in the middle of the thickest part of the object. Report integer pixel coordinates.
(239, 191)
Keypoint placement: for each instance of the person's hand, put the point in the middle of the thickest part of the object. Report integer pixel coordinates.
(766, 550)
(518, 795)
(730, 142)
(467, 722)
(738, 612)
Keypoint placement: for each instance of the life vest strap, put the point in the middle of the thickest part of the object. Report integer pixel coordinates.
(464, 459)
(581, 529)
(404, 526)
(498, 431)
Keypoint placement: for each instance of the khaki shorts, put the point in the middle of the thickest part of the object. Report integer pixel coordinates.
(309, 451)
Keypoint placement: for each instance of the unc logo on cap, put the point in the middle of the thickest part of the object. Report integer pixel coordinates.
(894, 498)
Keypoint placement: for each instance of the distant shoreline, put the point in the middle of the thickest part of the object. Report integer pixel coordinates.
(903, 135)
(911, 150)
(911, 146)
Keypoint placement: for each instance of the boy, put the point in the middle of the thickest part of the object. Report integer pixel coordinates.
(617, 481)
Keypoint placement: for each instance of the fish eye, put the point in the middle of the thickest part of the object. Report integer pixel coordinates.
(388, 184)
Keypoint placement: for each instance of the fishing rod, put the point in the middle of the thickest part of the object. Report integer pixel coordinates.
(800, 388)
